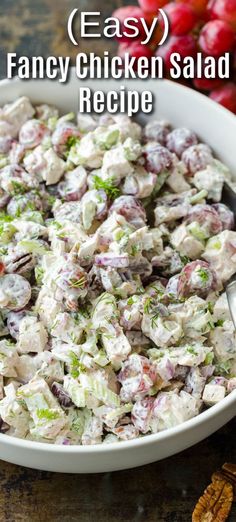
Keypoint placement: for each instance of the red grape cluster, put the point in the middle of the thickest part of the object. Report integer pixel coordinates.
(195, 25)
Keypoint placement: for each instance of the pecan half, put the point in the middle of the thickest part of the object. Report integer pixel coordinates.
(215, 503)
(230, 469)
(19, 262)
(222, 475)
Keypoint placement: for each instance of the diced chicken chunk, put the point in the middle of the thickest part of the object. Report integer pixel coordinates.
(213, 393)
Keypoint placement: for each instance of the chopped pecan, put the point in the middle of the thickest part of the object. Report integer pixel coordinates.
(215, 503)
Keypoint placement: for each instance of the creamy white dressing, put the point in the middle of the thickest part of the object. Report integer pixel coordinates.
(114, 258)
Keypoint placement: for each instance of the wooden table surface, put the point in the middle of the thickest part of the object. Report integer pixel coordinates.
(162, 492)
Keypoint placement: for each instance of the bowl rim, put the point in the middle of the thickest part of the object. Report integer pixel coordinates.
(138, 442)
(146, 439)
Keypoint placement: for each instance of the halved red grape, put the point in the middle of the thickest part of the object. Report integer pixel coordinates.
(197, 157)
(15, 292)
(4, 198)
(223, 10)
(207, 217)
(207, 84)
(182, 18)
(23, 202)
(5, 144)
(226, 216)
(198, 6)
(151, 6)
(158, 158)
(135, 50)
(226, 96)
(60, 393)
(32, 133)
(131, 209)
(157, 131)
(184, 45)
(196, 278)
(71, 283)
(180, 139)
(62, 133)
(216, 38)
(13, 322)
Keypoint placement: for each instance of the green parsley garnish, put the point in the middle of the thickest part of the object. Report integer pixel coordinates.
(18, 188)
(203, 274)
(154, 319)
(84, 311)
(108, 186)
(191, 350)
(4, 218)
(134, 250)
(51, 200)
(156, 288)
(71, 141)
(78, 283)
(130, 301)
(220, 322)
(107, 298)
(210, 307)
(56, 224)
(223, 368)
(147, 305)
(185, 260)
(29, 206)
(140, 290)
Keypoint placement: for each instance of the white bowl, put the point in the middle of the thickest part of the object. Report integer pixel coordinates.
(217, 127)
